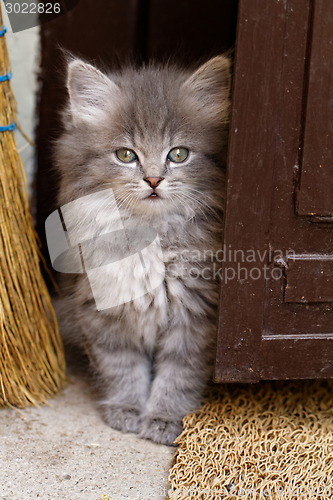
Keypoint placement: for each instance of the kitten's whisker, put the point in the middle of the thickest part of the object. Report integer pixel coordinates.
(128, 208)
(85, 218)
(180, 197)
(191, 195)
(208, 208)
(199, 206)
(210, 198)
(125, 203)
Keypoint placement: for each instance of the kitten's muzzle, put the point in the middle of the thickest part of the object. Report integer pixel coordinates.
(153, 181)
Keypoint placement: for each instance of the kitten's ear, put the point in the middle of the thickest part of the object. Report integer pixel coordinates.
(210, 85)
(89, 91)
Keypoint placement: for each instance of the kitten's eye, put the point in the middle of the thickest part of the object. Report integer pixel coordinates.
(178, 155)
(126, 155)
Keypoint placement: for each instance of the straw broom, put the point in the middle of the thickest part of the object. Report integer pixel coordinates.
(32, 365)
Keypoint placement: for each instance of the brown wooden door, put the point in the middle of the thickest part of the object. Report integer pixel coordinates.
(276, 308)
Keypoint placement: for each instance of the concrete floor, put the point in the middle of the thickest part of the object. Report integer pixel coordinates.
(65, 451)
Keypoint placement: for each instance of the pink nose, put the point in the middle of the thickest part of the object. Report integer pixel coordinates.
(153, 181)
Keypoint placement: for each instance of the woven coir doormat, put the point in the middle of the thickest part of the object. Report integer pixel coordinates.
(270, 440)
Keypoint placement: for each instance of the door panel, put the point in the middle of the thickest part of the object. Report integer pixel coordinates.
(309, 279)
(315, 195)
(276, 322)
(298, 358)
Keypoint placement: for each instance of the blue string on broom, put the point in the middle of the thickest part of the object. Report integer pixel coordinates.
(3, 78)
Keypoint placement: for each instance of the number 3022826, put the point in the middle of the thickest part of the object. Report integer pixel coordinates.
(32, 8)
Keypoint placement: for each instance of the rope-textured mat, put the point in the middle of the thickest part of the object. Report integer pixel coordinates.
(270, 440)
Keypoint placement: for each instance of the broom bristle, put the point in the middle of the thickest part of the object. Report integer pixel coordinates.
(32, 365)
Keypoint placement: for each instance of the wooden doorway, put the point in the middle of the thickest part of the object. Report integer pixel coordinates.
(276, 309)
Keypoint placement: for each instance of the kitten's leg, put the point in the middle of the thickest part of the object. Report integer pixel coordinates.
(183, 368)
(125, 376)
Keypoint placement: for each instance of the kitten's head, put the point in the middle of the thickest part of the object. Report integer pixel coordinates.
(155, 135)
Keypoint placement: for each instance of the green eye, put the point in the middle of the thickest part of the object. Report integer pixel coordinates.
(178, 155)
(126, 155)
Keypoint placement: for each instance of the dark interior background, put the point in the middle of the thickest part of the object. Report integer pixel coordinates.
(109, 33)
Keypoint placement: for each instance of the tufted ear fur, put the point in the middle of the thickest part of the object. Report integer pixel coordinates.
(210, 86)
(90, 92)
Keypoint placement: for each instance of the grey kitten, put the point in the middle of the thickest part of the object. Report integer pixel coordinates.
(149, 145)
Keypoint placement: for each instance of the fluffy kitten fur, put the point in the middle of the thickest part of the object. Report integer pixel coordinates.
(153, 355)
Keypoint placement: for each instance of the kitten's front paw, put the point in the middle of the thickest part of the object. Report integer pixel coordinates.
(121, 419)
(159, 430)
